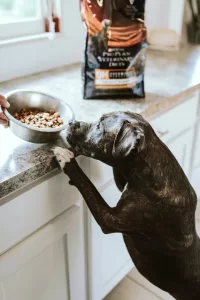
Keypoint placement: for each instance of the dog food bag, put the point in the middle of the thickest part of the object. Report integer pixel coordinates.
(115, 49)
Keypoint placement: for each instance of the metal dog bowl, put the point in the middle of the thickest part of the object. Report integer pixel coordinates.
(19, 99)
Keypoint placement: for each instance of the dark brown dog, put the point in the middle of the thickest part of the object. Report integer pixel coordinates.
(156, 212)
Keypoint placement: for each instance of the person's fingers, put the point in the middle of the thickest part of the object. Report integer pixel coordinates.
(3, 117)
(3, 102)
(3, 120)
(4, 123)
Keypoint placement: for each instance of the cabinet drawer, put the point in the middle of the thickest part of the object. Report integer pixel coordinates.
(178, 119)
(100, 173)
(34, 208)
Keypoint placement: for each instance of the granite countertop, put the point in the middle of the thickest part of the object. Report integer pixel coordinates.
(169, 77)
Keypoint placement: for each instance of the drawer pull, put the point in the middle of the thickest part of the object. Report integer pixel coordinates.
(162, 133)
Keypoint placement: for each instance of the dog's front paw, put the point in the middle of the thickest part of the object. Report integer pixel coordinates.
(63, 156)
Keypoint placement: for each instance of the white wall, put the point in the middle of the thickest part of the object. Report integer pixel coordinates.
(165, 14)
(157, 13)
(176, 15)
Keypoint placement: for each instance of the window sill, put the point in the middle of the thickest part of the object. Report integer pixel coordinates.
(26, 39)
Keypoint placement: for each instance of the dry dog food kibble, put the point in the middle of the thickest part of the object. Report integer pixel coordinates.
(39, 119)
(115, 48)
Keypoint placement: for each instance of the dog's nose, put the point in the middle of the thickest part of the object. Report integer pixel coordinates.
(72, 121)
(74, 124)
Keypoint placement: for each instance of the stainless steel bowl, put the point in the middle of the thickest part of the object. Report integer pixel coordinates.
(19, 99)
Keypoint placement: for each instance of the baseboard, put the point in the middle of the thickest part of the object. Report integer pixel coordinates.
(163, 48)
(111, 284)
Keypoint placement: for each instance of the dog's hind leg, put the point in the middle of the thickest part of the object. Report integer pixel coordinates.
(109, 219)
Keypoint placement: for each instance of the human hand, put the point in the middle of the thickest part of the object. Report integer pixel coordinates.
(3, 119)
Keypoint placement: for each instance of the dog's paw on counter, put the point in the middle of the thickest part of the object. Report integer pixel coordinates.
(63, 156)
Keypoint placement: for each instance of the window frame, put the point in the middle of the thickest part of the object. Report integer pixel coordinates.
(24, 26)
(21, 28)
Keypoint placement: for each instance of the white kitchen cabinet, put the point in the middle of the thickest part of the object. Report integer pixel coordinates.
(100, 173)
(177, 120)
(195, 161)
(32, 209)
(196, 158)
(195, 181)
(181, 147)
(48, 265)
(176, 129)
(109, 259)
(116, 261)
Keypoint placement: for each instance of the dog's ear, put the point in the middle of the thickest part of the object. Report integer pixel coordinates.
(129, 137)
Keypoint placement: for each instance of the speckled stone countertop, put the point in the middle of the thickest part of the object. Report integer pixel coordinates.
(169, 77)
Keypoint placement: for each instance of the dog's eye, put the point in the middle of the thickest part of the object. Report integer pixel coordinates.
(98, 125)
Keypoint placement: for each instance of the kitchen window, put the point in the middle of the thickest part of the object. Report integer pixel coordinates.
(27, 47)
(19, 18)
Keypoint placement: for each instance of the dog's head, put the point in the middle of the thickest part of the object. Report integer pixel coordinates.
(113, 137)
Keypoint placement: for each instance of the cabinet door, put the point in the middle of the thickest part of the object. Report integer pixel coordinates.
(115, 256)
(110, 261)
(178, 119)
(47, 265)
(195, 181)
(181, 147)
(196, 161)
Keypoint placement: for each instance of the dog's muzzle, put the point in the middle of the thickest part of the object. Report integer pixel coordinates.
(77, 133)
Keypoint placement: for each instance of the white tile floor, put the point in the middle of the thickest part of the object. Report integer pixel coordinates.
(136, 287)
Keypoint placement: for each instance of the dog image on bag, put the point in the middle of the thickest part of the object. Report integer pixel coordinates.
(98, 44)
(116, 36)
(156, 211)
